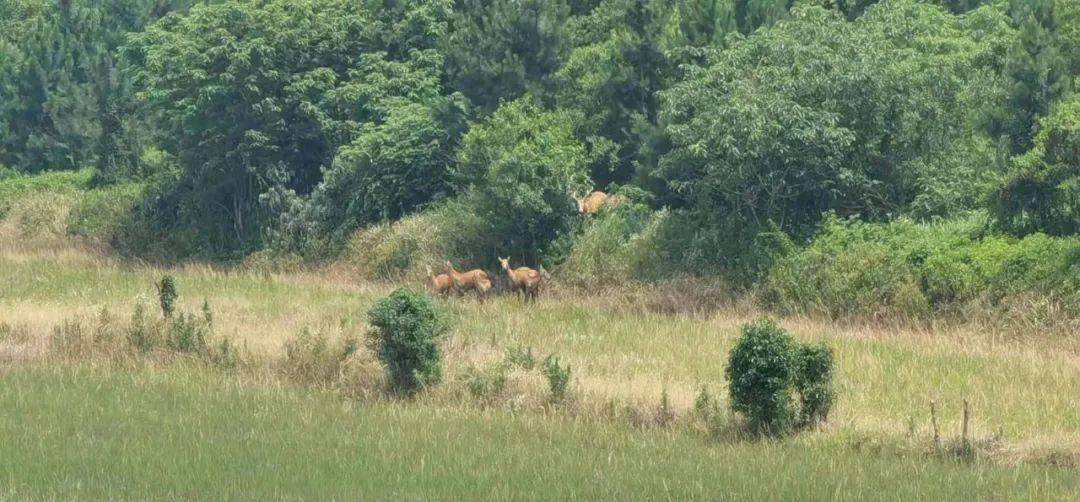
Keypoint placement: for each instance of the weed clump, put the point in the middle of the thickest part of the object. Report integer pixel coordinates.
(406, 332)
(167, 295)
(311, 359)
(766, 368)
(558, 377)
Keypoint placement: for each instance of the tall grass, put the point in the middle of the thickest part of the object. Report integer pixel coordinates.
(96, 433)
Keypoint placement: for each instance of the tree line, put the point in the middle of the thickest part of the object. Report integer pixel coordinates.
(291, 124)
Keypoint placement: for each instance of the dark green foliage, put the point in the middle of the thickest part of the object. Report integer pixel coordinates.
(390, 169)
(761, 371)
(813, 383)
(167, 295)
(786, 124)
(497, 50)
(767, 368)
(522, 166)
(258, 96)
(1042, 193)
(1038, 71)
(407, 329)
(558, 378)
(612, 77)
(916, 271)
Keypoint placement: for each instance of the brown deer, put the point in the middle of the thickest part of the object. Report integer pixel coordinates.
(592, 203)
(476, 280)
(524, 279)
(439, 284)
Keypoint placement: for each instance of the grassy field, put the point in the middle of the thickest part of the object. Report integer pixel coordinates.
(147, 433)
(99, 429)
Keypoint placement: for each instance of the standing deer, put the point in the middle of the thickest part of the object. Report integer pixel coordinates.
(524, 279)
(592, 203)
(439, 284)
(476, 280)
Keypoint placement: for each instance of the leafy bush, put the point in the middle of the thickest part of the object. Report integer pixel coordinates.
(522, 166)
(99, 212)
(918, 270)
(785, 126)
(623, 244)
(760, 373)
(406, 332)
(813, 382)
(558, 378)
(766, 368)
(390, 169)
(252, 96)
(167, 295)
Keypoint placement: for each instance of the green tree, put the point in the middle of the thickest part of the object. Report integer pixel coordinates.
(497, 50)
(821, 114)
(255, 96)
(391, 168)
(522, 167)
(1039, 73)
(613, 78)
(1042, 193)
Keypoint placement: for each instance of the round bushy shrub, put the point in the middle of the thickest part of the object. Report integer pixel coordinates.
(760, 373)
(813, 381)
(406, 332)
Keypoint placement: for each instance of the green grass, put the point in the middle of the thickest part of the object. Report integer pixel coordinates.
(96, 433)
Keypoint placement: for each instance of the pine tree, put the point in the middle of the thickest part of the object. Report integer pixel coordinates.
(1037, 69)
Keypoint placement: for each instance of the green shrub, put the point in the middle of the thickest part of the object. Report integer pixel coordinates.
(167, 295)
(142, 333)
(853, 268)
(99, 212)
(187, 334)
(760, 373)
(618, 245)
(406, 332)
(813, 382)
(558, 378)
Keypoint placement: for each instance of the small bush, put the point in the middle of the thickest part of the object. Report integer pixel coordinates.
(167, 295)
(406, 332)
(486, 384)
(521, 357)
(558, 378)
(760, 372)
(813, 381)
(187, 334)
(142, 333)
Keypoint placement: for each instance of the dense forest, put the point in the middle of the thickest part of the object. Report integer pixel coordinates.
(835, 155)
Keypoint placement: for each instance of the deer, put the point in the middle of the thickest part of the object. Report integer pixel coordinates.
(591, 204)
(476, 280)
(439, 284)
(524, 279)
